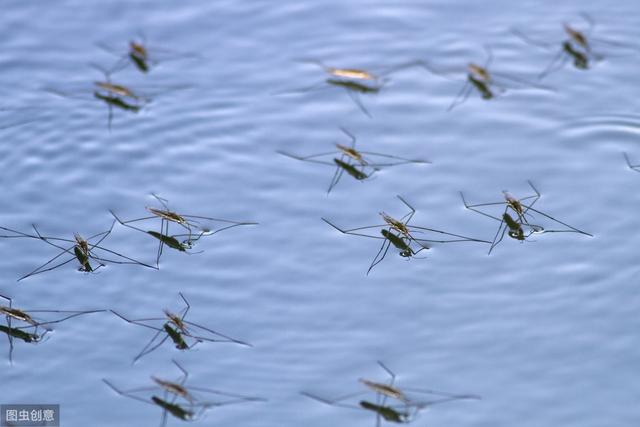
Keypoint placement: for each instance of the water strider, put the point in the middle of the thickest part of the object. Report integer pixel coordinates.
(186, 403)
(174, 327)
(487, 83)
(115, 95)
(391, 403)
(354, 81)
(399, 234)
(515, 227)
(360, 165)
(141, 55)
(26, 325)
(578, 46)
(89, 253)
(191, 225)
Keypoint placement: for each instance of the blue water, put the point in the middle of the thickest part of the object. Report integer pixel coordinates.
(546, 331)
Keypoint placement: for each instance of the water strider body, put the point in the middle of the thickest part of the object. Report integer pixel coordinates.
(174, 388)
(352, 153)
(116, 89)
(386, 389)
(350, 73)
(578, 37)
(16, 314)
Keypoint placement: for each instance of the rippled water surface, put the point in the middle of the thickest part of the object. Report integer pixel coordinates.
(546, 331)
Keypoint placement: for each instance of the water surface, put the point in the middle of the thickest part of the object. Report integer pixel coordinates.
(545, 332)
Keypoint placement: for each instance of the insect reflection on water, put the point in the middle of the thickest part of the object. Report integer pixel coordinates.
(399, 234)
(392, 403)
